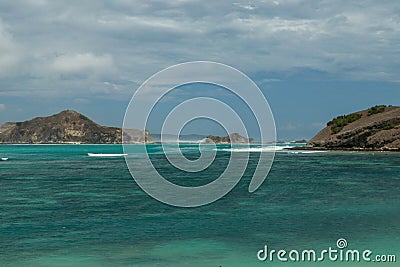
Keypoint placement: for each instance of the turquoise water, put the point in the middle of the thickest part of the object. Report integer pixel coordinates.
(59, 207)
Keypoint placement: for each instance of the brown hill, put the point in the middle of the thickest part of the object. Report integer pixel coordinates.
(65, 127)
(377, 128)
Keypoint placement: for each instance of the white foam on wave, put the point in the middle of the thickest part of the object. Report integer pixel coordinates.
(255, 149)
(106, 155)
(306, 152)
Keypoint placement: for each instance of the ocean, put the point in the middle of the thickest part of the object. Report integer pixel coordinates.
(60, 207)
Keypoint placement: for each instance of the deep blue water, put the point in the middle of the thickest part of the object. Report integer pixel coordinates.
(59, 207)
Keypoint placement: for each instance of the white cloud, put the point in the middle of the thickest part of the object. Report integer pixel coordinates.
(9, 52)
(2, 107)
(245, 6)
(78, 63)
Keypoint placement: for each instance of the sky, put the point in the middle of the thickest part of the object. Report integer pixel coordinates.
(313, 60)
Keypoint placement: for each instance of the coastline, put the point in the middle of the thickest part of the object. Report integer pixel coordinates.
(76, 143)
(308, 148)
(293, 148)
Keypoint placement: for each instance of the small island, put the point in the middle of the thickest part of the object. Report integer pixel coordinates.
(67, 127)
(233, 138)
(373, 129)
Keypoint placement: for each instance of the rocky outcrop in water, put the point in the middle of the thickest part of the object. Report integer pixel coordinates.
(377, 128)
(234, 138)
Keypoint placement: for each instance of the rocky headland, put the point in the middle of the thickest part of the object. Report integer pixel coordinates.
(376, 128)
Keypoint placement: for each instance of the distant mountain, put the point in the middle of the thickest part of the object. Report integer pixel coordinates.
(66, 127)
(233, 138)
(173, 138)
(377, 128)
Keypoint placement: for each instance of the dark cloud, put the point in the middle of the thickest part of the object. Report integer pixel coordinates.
(53, 41)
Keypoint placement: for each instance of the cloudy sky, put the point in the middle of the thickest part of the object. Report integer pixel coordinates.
(312, 59)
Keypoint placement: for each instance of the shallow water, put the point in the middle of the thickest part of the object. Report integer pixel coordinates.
(60, 207)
